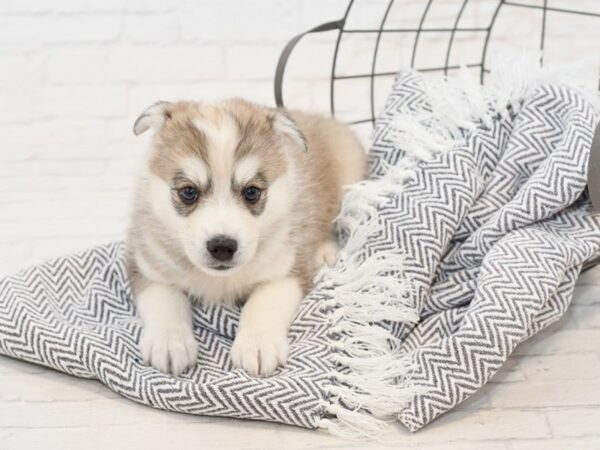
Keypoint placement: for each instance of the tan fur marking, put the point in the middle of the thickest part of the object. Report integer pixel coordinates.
(257, 137)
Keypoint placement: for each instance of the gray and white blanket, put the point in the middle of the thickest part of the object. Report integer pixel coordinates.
(467, 239)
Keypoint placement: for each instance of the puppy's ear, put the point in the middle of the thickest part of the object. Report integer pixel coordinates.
(153, 117)
(283, 123)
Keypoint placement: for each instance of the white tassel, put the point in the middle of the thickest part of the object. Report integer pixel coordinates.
(367, 291)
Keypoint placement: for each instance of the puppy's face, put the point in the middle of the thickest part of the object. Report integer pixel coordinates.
(220, 178)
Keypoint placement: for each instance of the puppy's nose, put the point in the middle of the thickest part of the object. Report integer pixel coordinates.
(222, 248)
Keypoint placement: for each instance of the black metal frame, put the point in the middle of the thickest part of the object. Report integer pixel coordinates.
(342, 30)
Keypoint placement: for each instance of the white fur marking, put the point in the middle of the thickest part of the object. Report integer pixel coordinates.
(167, 342)
(223, 138)
(148, 269)
(195, 169)
(261, 341)
(161, 205)
(246, 169)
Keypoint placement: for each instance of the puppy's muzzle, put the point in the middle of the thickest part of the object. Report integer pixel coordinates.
(222, 248)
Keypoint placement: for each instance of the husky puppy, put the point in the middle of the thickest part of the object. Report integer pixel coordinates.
(235, 203)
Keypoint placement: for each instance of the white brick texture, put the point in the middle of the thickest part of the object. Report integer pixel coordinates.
(74, 75)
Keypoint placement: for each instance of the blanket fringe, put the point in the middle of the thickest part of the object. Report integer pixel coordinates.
(370, 382)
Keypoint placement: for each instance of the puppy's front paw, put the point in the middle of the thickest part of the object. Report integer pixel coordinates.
(170, 350)
(259, 354)
(326, 254)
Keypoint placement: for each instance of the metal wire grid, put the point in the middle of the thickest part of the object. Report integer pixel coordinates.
(343, 30)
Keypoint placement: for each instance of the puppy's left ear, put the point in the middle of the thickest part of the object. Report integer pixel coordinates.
(283, 123)
(153, 117)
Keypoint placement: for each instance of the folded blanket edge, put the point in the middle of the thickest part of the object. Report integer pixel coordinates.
(370, 380)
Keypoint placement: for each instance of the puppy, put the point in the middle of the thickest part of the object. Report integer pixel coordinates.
(235, 203)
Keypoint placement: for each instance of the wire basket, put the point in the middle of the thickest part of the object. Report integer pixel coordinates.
(477, 20)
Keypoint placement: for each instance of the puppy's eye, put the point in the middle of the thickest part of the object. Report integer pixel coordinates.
(188, 195)
(252, 194)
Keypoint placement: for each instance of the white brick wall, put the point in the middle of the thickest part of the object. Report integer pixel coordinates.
(74, 74)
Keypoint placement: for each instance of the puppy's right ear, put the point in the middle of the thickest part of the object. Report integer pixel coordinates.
(153, 117)
(283, 123)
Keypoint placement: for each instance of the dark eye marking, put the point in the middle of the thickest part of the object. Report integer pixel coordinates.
(188, 195)
(252, 194)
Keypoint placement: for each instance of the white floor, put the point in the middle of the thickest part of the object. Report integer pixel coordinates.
(547, 396)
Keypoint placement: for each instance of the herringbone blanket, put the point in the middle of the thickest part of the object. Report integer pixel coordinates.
(467, 239)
